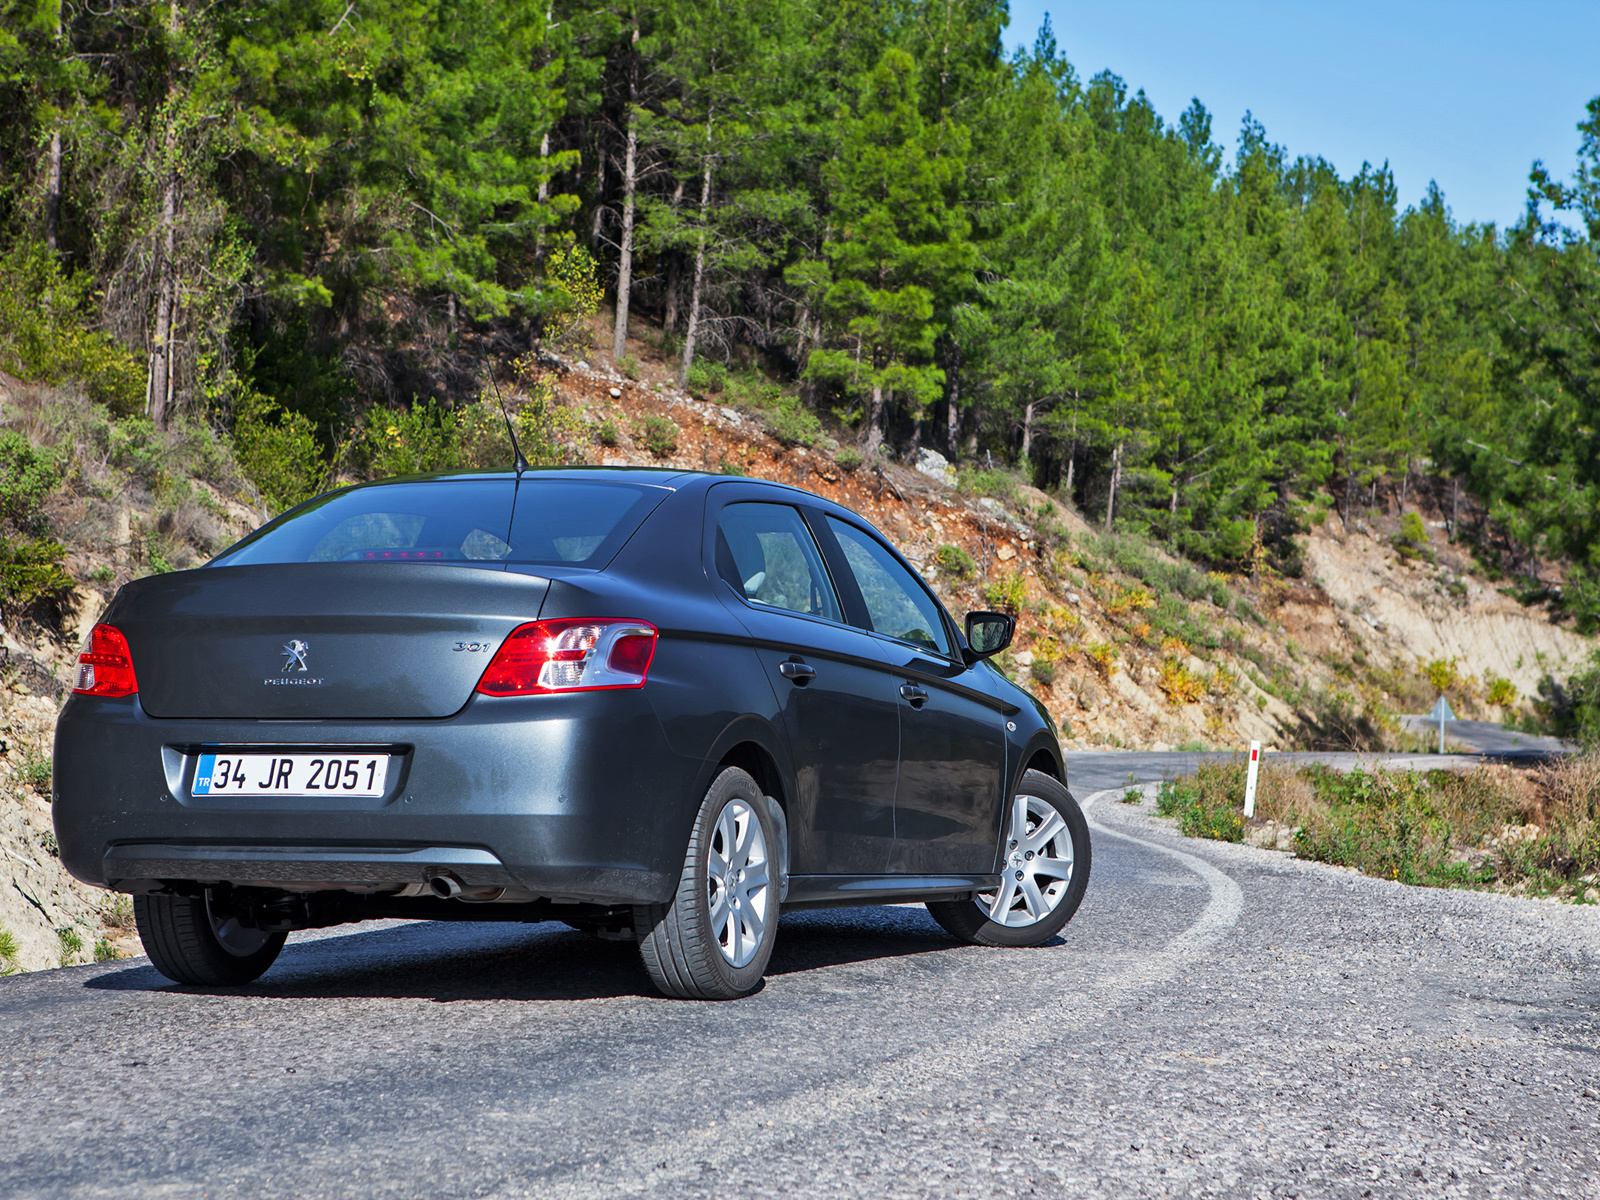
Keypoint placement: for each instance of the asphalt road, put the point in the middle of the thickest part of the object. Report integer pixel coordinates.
(1487, 737)
(1217, 1020)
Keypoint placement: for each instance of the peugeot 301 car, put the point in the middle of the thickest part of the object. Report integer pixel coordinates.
(650, 704)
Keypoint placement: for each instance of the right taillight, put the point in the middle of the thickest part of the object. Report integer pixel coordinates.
(572, 654)
(106, 667)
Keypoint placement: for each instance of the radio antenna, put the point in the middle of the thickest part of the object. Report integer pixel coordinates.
(520, 462)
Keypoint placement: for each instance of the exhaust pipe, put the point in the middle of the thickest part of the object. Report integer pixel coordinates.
(446, 887)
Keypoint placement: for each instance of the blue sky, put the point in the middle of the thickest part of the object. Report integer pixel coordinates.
(1464, 92)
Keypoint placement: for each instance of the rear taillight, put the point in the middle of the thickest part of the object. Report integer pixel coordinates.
(106, 667)
(573, 654)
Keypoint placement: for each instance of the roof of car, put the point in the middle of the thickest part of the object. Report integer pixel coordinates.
(658, 476)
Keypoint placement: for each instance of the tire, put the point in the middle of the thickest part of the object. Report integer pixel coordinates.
(189, 943)
(1042, 878)
(713, 940)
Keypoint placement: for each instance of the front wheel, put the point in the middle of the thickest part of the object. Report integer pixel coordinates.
(713, 940)
(192, 941)
(1044, 851)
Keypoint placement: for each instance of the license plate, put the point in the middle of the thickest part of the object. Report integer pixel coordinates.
(290, 775)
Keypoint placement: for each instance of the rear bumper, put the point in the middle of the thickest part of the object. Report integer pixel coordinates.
(574, 797)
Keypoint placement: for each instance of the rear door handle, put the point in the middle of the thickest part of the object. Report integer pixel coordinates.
(914, 694)
(797, 673)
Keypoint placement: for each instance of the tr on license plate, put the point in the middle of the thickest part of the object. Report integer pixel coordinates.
(290, 775)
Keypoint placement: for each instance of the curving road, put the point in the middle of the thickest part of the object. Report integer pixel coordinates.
(1217, 1020)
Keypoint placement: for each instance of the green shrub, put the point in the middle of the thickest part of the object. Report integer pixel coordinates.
(33, 576)
(574, 297)
(792, 423)
(1044, 673)
(71, 943)
(997, 483)
(278, 451)
(1412, 531)
(1007, 593)
(34, 772)
(954, 562)
(707, 376)
(660, 436)
(849, 458)
(8, 952)
(45, 332)
(1180, 684)
(1205, 804)
(549, 434)
(628, 364)
(408, 441)
(1441, 673)
(1573, 707)
(104, 951)
(28, 474)
(1502, 691)
(606, 432)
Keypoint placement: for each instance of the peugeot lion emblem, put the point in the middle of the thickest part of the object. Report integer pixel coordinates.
(295, 656)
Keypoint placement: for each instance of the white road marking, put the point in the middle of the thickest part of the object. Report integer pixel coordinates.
(689, 1154)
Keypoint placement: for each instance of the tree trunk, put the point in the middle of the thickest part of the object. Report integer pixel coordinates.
(1072, 450)
(699, 265)
(1027, 430)
(1455, 507)
(599, 197)
(619, 337)
(952, 412)
(158, 393)
(52, 177)
(52, 192)
(544, 196)
(874, 432)
(1116, 478)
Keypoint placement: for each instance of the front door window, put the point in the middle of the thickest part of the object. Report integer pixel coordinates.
(896, 606)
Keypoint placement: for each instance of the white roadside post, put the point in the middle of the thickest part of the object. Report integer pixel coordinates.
(1250, 780)
(1441, 713)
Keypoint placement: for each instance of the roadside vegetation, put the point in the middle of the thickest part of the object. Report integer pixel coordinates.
(1534, 832)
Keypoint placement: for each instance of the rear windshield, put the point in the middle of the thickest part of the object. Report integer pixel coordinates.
(580, 523)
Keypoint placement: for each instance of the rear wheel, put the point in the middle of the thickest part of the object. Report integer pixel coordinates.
(192, 941)
(1044, 872)
(713, 940)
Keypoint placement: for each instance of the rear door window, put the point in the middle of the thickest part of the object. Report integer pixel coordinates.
(475, 521)
(767, 555)
(897, 605)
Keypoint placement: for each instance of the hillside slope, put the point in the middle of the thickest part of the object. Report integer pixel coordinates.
(1125, 645)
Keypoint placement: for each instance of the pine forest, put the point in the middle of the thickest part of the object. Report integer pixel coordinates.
(332, 230)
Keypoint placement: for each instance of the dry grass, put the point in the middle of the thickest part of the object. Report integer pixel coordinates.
(1525, 831)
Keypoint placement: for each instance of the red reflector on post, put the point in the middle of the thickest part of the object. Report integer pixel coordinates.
(571, 654)
(106, 667)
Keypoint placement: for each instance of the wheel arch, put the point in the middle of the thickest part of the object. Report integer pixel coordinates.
(757, 757)
(1043, 755)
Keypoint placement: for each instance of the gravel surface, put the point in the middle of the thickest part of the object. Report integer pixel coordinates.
(1217, 1020)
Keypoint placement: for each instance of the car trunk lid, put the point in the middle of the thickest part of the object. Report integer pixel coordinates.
(319, 640)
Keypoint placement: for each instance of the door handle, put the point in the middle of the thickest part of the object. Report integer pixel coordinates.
(797, 673)
(914, 694)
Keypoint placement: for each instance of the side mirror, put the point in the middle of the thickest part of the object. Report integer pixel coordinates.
(988, 633)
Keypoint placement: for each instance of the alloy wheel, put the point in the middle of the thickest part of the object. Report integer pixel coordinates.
(1037, 867)
(738, 882)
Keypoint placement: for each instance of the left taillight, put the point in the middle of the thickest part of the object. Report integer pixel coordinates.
(572, 654)
(106, 667)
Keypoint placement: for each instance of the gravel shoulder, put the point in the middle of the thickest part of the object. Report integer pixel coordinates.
(1217, 1020)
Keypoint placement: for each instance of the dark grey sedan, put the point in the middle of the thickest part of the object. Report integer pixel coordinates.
(653, 705)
